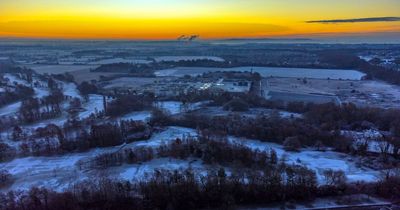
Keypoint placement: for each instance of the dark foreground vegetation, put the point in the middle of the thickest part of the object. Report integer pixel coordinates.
(186, 190)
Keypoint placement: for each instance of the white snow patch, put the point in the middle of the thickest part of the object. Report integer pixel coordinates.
(139, 171)
(11, 109)
(142, 116)
(95, 104)
(70, 89)
(176, 107)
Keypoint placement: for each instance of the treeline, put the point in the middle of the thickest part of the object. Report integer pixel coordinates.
(148, 69)
(347, 60)
(19, 92)
(268, 129)
(137, 70)
(320, 127)
(323, 122)
(35, 109)
(184, 190)
(66, 77)
(73, 136)
(124, 104)
(86, 88)
(12, 68)
(349, 116)
(198, 63)
(212, 149)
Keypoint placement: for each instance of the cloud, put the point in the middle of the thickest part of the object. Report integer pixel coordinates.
(357, 20)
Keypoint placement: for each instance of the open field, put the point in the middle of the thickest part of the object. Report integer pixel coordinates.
(306, 98)
(271, 72)
(362, 93)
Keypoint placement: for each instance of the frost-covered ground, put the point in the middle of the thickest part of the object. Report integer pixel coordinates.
(58, 172)
(269, 72)
(139, 171)
(171, 107)
(70, 89)
(372, 138)
(40, 91)
(176, 107)
(93, 105)
(316, 160)
(10, 110)
(14, 79)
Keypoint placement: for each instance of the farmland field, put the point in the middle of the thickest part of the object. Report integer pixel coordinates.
(307, 98)
(271, 72)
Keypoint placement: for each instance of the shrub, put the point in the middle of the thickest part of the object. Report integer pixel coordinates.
(5, 178)
(236, 105)
(292, 143)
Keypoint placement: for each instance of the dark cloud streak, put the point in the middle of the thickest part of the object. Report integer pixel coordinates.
(358, 20)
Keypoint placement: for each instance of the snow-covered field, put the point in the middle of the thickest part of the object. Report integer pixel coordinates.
(93, 105)
(58, 172)
(70, 89)
(316, 160)
(14, 79)
(269, 72)
(12, 109)
(142, 116)
(40, 91)
(139, 171)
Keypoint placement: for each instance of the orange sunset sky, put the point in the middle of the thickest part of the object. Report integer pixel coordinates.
(168, 19)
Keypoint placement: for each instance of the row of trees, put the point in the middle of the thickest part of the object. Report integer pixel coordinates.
(348, 60)
(104, 135)
(73, 136)
(34, 109)
(267, 128)
(186, 190)
(211, 149)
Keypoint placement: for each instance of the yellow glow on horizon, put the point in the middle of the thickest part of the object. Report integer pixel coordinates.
(167, 19)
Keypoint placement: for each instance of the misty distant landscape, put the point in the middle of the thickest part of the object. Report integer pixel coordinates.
(311, 121)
